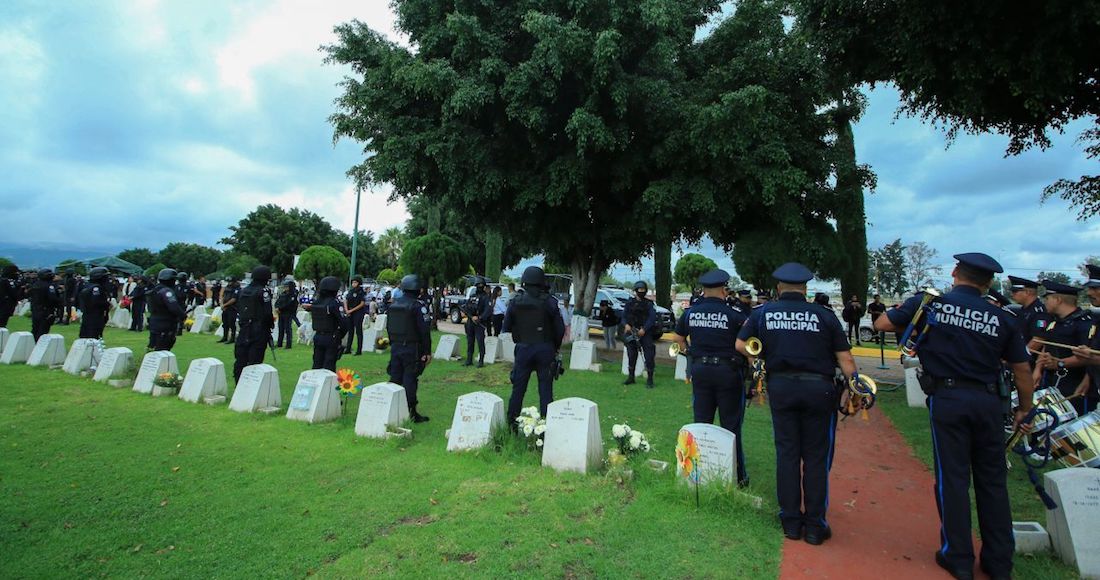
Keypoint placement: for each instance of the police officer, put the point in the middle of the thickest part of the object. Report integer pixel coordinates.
(1026, 293)
(229, 310)
(287, 305)
(46, 300)
(10, 293)
(94, 303)
(198, 291)
(256, 318)
(741, 302)
(355, 304)
(717, 382)
(1087, 388)
(165, 311)
(183, 296)
(1071, 325)
(479, 312)
(640, 318)
(216, 293)
(137, 303)
(408, 324)
(802, 345)
(68, 298)
(537, 328)
(961, 355)
(329, 322)
(763, 297)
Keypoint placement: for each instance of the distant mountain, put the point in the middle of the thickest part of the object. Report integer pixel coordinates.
(42, 257)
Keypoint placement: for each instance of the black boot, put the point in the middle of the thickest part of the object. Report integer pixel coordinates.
(468, 363)
(629, 380)
(417, 417)
(649, 380)
(480, 362)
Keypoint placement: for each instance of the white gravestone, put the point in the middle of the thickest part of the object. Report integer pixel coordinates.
(578, 327)
(116, 363)
(370, 338)
(913, 394)
(573, 438)
(306, 332)
(580, 358)
(315, 398)
(18, 348)
(24, 308)
(201, 325)
(380, 322)
(122, 318)
(258, 389)
(49, 351)
(1074, 526)
(507, 347)
(217, 313)
(80, 356)
(448, 344)
(199, 311)
(492, 349)
(3, 338)
(305, 316)
(155, 363)
(381, 406)
(639, 365)
(681, 367)
(477, 415)
(205, 382)
(717, 455)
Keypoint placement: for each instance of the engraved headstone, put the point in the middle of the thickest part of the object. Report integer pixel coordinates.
(578, 327)
(116, 363)
(573, 438)
(315, 398)
(717, 456)
(18, 348)
(305, 316)
(380, 322)
(205, 380)
(220, 332)
(79, 358)
(49, 351)
(202, 324)
(681, 367)
(306, 332)
(200, 310)
(581, 357)
(258, 389)
(448, 344)
(370, 338)
(155, 363)
(381, 406)
(914, 396)
(4, 333)
(216, 313)
(1074, 526)
(477, 415)
(639, 365)
(507, 347)
(492, 349)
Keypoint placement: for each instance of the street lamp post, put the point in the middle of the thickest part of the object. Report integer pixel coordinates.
(355, 236)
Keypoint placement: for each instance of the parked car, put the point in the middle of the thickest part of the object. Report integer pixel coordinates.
(453, 304)
(666, 322)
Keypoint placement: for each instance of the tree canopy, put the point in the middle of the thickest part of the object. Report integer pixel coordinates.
(316, 262)
(888, 269)
(274, 236)
(194, 259)
(155, 269)
(689, 267)
(434, 257)
(143, 257)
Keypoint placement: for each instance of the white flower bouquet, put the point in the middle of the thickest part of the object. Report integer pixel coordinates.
(629, 441)
(532, 426)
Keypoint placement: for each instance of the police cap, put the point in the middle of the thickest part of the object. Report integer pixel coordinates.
(533, 276)
(261, 274)
(1094, 276)
(980, 262)
(744, 292)
(166, 275)
(98, 273)
(997, 297)
(410, 283)
(763, 294)
(480, 280)
(793, 273)
(1053, 287)
(714, 279)
(1019, 283)
(641, 285)
(329, 284)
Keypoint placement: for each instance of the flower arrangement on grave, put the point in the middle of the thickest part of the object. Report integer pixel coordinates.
(187, 324)
(687, 459)
(532, 426)
(348, 382)
(215, 323)
(168, 381)
(629, 443)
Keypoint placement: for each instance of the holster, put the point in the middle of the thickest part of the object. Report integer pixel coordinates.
(927, 384)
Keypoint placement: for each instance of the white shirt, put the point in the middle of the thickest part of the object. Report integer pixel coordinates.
(500, 306)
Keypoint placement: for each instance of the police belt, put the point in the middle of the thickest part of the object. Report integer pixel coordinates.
(717, 360)
(404, 342)
(968, 384)
(799, 376)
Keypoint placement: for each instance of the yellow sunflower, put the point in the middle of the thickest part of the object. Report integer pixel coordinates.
(687, 453)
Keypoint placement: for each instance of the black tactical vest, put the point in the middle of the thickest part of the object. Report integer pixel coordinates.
(401, 320)
(250, 304)
(636, 312)
(157, 307)
(532, 319)
(324, 322)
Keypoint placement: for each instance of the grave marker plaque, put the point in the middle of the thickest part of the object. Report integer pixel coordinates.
(381, 406)
(18, 348)
(573, 438)
(448, 344)
(717, 454)
(49, 351)
(581, 357)
(1074, 526)
(476, 416)
(315, 398)
(116, 363)
(155, 363)
(79, 358)
(205, 379)
(258, 389)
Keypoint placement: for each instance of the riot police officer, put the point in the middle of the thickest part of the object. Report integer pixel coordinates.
(68, 297)
(216, 293)
(10, 293)
(802, 344)
(1071, 325)
(94, 303)
(329, 323)
(287, 305)
(198, 291)
(137, 303)
(229, 310)
(45, 302)
(479, 312)
(640, 317)
(408, 324)
(165, 311)
(355, 304)
(961, 355)
(183, 296)
(717, 375)
(256, 318)
(537, 328)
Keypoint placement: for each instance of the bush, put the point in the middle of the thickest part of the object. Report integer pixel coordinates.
(317, 262)
(155, 269)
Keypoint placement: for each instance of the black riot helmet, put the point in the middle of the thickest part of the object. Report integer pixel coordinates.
(228, 280)
(182, 276)
(410, 283)
(641, 285)
(290, 284)
(479, 281)
(45, 274)
(11, 271)
(261, 274)
(166, 275)
(329, 285)
(98, 273)
(533, 276)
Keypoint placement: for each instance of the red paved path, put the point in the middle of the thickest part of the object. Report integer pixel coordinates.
(881, 509)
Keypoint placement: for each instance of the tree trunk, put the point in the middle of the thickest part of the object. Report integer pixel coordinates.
(493, 244)
(434, 216)
(586, 270)
(662, 273)
(851, 222)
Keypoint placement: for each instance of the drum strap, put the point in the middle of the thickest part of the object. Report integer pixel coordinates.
(1041, 447)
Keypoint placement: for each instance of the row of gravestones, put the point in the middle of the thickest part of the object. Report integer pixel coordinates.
(372, 330)
(582, 355)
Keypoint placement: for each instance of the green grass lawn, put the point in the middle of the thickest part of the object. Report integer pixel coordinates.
(97, 481)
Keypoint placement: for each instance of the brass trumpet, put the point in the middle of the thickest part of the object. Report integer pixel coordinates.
(912, 336)
(754, 347)
(674, 350)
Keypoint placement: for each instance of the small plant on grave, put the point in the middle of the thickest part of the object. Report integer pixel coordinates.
(215, 324)
(168, 381)
(532, 427)
(187, 324)
(629, 444)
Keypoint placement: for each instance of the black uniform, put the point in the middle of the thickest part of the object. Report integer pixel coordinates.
(216, 293)
(256, 319)
(45, 302)
(330, 324)
(93, 302)
(800, 341)
(137, 306)
(287, 305)
(183, 296)
(1074, 329)
(409, 326)
(481, 306)
(640, 314)
(354, 297)
(68, 299)
(961, 356)
(535, 322)
(10, 295)
(165, 314)
(229, 313)
(717, 369)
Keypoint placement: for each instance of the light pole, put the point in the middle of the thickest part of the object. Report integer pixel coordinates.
(355, 236)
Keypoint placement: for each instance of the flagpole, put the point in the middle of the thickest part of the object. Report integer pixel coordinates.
(355, 236)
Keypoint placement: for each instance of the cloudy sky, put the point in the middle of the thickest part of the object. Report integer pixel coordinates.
(136, 122)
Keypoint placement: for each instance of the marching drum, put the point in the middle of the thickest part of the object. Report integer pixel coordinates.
(1077, 443)
(1051, 398)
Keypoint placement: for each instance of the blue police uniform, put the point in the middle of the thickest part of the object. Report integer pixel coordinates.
(1092, 396)
(165, 311)
(640, 314)
(93, 302)
(355, 297)
(256, 319)
(961, 356)
(230, 311)
(480, 306)
(1028, 315)
(1075, 329)
(537, 328)
(329, 324)
(800, 341)
(409, 326)
(717, 376)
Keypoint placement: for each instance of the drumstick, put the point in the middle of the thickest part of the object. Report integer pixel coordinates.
(1059, 344)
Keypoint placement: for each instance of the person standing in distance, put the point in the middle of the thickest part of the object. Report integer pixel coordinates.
(717, 369)
(183, 296)
(94, 303)
(256, 320)
(535, 322)
(479, 313)
(216, 293)
(45, 303)
(803, 343)
(641, 322)
(229, 310)
(409, 326)
(287, 305)
(355, 304)
(330, 324)
(137, 303)
(10, 293)
(165, 311)
(961, 355)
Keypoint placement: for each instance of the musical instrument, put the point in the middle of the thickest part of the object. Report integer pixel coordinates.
(1057, 410)
(754, 347)
(914, 333)
(860, 396)
(1077, 443)
(1061, 345)
(674, 350)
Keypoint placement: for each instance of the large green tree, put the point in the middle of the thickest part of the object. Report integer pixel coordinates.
(317, 262)
(195, 259)
(425, 216)
(888, 269)
(389, 247)
(434, 257)
(143, 257)
(368, 262)
(274, 235)
(689, 267)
